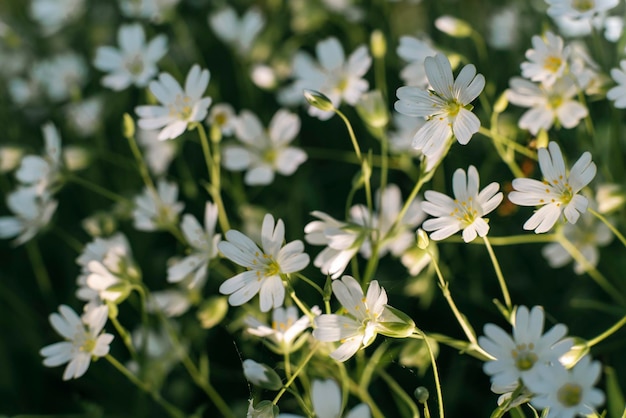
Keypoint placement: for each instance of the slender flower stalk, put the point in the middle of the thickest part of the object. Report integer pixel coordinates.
(609, 225)
(496, 266)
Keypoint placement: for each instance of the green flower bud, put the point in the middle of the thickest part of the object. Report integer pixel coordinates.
(395, 323)
(454, 27)
(373, 109)
(378, 44)
(501, 104)
(318, 100)
(212, 311)
(422, 239)
(261, 375)
(264, 409)
(421, 394)
(128, 127)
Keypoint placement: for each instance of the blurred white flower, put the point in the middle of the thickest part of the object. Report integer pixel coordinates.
(10, 157)
(285, 327)
(558, 193)
(223, 116)
(264, 152)
(464, 212)
(135, 60)
(547, 60)
(414, 51)
(61, 76)
(521, 355)
(618, 93)
(172, 302)
(85, 116)
(203, 242)
(32, 212)
(345, 8)
(265, 267)
(43, 172)
(445, 107)
(83, 340)
(154, 10)
(610, 197)
(613, 28)
(504, 28)
(157, 211)
(579, 9)
(547, 104)
(240, 33)
(179, 108)
(338, 79)
(53, 15)
(158, 154)
(401, 139)
(264, 76)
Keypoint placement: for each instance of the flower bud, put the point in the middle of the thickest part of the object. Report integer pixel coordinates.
(128, 127)
(75, 157)
(212, 311)
(422, 239)
(264, 409)
(373, 109)
(395, 323)
(421, 394)
(378, 44)
(318, 100)
(578, 351)
(261, 375)
(10, 157)
(100, 224)
(501, 104)
(454, 27)
(610, 197)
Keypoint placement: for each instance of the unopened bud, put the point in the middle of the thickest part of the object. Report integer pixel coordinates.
(378, 44)
(318, 100)
(421, 394)
(212, 311)
(264, 409)
(454, 27)
(261, 375)
(128, 127)
(422, 239)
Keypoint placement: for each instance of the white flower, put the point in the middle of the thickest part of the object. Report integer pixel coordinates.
(504, 28)
(265, 267)
(61, 75)
(204, 248)
(465, 211)
(85, 117)
(83, 340)
(53, 15)
(172, 302)
(33, 212)
(401, 140)
(618, 93)
(546, 103)
(134, 62)
(579, 9)
(568, 393)
(238, 32)
(223, 116)
(521, 355)
(338, 79)
(155, 10)
(613, 28)
(43, 172)
(444, 107)
(345, 8)
(547, 61)
(285, 328)
(587, 235)
(10, 157)
(265, 152)
(343, 241)
(157, 211)
(158, 154)
(326, 400)
(179, 108)
(415, 51)
(558, 192)
(366, 318)
(389, 203)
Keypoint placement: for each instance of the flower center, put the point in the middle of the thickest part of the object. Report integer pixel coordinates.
(465, 211)
(552, 63)
(88, 346)
(181, 108)
(221, 118)
(583, 5)
(135, 65)
(271, 267)
(524, 356)
(570, 394)
(269, 155)
(453, 108)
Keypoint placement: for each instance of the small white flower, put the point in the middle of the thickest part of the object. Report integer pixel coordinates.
(83, 340)
(61, 75)
(445, 107)
(285, 328)
(158, 154)
(414, 51)
(343, 241)
(179, 108)
(547, 104)
(204, 248)
(521, 355)
(326, 400)
(172, 302)
(265, 151)
(339, 79)
(547, 60)
(618, 93)
(265, 267)
(366, 318)
(43, 173)
(32, 211)
(85, 117)
(568, 393)
(238, 32)
(223, 116)
(558, 192)
(465, 211)
(154, 10)
(134, 62)
(157, 211)
(53, 15)
(504, 28)
(613, 28)
(579, 9)
(587, 235)
(401, 139)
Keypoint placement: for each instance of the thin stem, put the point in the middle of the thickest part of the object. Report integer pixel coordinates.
(126, 338)
(40, 271)
(398, 390)
(501, 281)
(509, 142)
(511, 240)
(607, 333)
(301, 366)
(143, 168)
(372, 363)
(310, 283)
(355, 144)
(609, 225)
(287, 364)
(435, 373)
(98, 189)
(173, 411)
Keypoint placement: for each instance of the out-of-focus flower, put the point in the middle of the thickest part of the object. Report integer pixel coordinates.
(240, 33)
(504, 28)
(284, 330)
(135, 60)
(178, 108)
(265, 152)
(83, 340)
(43, 173)
(558, 193)
(61, 76)
(579, 9)
(453, 26)
(10, 157)
(261, 375)
(223, 116)
(32, 212)
(618, 93)
(401, 139)
(53, 15)
(154, 10)
(613, 28)
(547, 60)
(158, 210)
(158, 154)
(610, 197)
(85, 116)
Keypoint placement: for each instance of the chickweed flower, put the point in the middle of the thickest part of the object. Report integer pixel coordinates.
(240, 33)
(32, 212)
(83, 340)
(446, 107)
(618, 93)
(414, 51)
(286, 326)
(265, 151)
(547, 60)
(568, 393)
(579, 9)
(134, 62)
(521, 355)
(43, 172)
(558, 193)
(155, 211)
(367, 316)
(464, 212)
(265, 267)
(179, 108)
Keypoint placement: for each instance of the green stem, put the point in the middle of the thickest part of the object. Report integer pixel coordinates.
(511, 240)
(607, 333)
(301, 366)
(501, 281)
(435, 373)
(143, 168)
(372, 363)
(310, 283)
(509, 142)
(355, 144)
(98, 189)
(609, 225)
(125, 335)
(171, 409)
(40, 271)
(398, 390)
